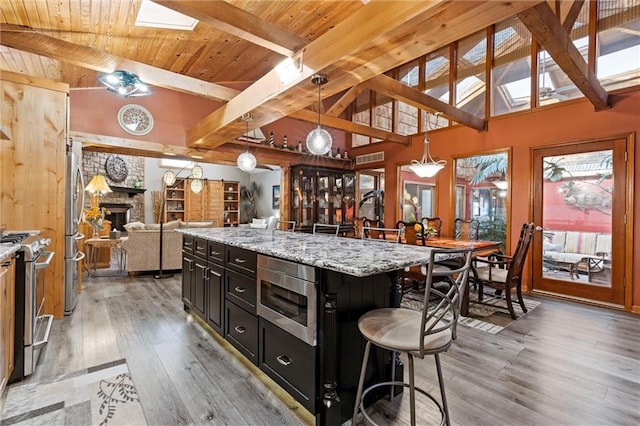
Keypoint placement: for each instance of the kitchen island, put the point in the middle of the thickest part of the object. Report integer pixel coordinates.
(349, 276)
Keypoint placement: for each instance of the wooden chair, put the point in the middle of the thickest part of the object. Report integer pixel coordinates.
(413, 232)
(323, 228)
(384, 234)
(432, 222)
(358, 224)
(416, 333)
(504, 272)
(466, 229)
(286, 225)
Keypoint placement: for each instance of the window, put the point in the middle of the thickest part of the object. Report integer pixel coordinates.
(418, 197)
(511, 73)
(436, 77)
(361, 115)
(406, 118)
(471, 82)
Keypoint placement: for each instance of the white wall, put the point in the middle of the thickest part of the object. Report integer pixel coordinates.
(153, 179)
(266, 180)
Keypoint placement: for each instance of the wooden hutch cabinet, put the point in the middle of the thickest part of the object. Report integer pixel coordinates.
(321, 195)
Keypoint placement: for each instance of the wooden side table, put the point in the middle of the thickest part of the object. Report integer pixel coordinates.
(94, 244)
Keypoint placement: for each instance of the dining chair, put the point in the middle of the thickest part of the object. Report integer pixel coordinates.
(413, 232)
(434, 223)
(504, 272)
(324, 228)
(384, 234)
(358, 224)
(466, 229)
(286, 225)
(430, 331)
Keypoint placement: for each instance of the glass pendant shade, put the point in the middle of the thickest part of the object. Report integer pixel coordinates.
(246, 161)
(197, 171)
(425, 170)
(169, 178)
(319, 141)
(196, 185)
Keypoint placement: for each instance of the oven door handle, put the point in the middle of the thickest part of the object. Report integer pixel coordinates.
(45, 338)
(47, 262)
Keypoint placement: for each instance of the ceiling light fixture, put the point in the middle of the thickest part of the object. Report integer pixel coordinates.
(427, 166)
(319, 141)
(247, 161)
(125, 83)
(170, 177)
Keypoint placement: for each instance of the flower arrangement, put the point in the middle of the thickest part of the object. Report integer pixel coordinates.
(94, 217)
(430, 231)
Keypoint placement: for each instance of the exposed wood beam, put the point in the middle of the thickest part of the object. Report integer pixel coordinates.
(126, 146)
(22, 38)
(395, 89)
(548, 31)
(349, 126)
(283, 158)
(233, 20)
(345, 100)
(572, 15)
(371, 21)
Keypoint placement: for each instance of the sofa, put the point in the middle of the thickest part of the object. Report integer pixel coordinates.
(142, 245)
(586, 252)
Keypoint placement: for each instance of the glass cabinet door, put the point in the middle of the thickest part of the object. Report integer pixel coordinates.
(324, 199)
(307, 200)
(349, 198)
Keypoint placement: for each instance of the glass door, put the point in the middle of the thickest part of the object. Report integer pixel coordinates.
(579, 210)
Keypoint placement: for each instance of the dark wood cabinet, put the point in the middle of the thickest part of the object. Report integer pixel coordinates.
(290, 362)
(320, 195)
(198, 294)
(215, 297)
(242, 330)
(187, 278)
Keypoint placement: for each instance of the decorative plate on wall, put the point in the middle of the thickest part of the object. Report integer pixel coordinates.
(116, 168)
(135, 119)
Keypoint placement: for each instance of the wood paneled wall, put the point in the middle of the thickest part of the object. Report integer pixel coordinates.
(32, 168)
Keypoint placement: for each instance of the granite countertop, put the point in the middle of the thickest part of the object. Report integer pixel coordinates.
(350, 256)
(7, 249)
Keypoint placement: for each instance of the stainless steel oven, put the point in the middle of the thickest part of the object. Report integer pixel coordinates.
(32, 327)
(287, 297)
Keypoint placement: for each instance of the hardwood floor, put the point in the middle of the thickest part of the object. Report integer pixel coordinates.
(562, 363)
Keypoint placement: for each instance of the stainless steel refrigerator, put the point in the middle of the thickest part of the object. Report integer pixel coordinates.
(74, 202)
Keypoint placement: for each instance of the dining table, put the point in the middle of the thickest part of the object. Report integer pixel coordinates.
(478, 249)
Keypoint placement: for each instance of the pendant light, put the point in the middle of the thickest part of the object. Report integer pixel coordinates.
(427, 166)
(247, 161)
(319, 140)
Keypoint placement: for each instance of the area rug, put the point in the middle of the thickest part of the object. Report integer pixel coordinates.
(101, 395)
(491, 316)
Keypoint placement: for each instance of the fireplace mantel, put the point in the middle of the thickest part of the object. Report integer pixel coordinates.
(131, 191)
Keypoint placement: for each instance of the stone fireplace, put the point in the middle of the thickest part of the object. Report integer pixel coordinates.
(119, 214)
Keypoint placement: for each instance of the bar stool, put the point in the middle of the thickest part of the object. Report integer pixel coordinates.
(417, 333)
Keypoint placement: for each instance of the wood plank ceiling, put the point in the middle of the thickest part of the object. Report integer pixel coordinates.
(232, 52)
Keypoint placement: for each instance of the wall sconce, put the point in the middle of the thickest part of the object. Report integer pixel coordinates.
(319, 141)
(125, 84)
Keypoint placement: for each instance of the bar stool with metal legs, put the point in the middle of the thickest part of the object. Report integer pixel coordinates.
(417, 333)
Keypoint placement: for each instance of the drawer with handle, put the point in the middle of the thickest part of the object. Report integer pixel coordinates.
(200, 247)
(215, 252)
(289, 361)
(242, 331)
(241, 260)
(187, 243)
(241, 290)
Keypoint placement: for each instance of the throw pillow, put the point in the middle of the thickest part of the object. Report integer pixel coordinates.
(134, 226)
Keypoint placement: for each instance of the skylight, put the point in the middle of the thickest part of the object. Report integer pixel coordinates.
(156, 16)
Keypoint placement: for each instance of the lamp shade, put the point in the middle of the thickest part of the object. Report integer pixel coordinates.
(98, 185)
(319, 141)
(425, 170)
(169, 178)
(247, 161)
(196, 186)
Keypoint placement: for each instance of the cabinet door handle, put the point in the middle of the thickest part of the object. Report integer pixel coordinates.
(240, 289)
(284, 360)
(240, 329)
(214, 253)
(217, 274)
(239, 260)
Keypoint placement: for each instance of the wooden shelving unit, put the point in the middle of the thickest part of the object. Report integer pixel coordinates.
(175, 201)
(231, 200)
